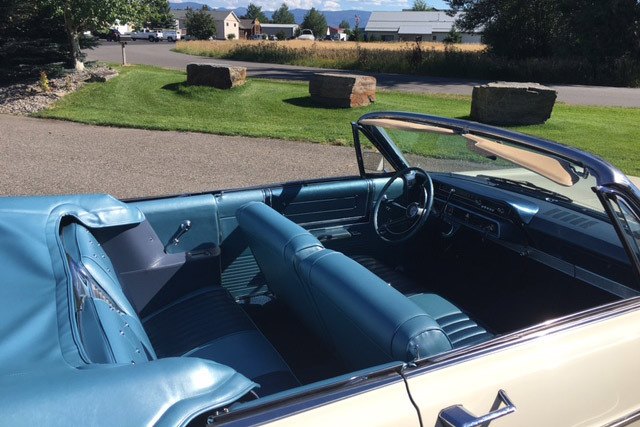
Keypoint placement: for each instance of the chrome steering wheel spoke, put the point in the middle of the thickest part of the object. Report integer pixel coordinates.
(389, 212)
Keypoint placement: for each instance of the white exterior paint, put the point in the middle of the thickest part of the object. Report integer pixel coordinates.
(226, 23)
(273, 29)
(407, 25)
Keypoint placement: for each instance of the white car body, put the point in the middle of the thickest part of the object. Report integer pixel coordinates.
(306, 35)
(171, 35)
(147, 34)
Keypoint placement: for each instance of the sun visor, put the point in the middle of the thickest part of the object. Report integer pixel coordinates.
(556, 170)
(406, 126)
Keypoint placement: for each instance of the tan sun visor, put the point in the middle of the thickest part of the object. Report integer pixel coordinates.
(556, 170)
(407, 126)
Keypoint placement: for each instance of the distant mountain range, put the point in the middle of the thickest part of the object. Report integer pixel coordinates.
(334, 18)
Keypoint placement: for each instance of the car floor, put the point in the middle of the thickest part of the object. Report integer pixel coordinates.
(307, 355)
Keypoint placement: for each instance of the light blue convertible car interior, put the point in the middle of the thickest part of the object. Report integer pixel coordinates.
(246, 305)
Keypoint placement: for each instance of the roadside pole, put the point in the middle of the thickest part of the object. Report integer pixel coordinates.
(123, 43)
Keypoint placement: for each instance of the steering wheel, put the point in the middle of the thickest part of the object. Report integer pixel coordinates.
(397, 217)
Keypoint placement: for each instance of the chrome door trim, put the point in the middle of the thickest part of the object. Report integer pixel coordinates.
(626, 420)
(455, 357)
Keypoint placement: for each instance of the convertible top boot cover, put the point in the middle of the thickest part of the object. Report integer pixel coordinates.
(44, 375)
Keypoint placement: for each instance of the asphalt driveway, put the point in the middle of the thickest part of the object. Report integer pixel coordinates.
(43, 157)
(159, 54)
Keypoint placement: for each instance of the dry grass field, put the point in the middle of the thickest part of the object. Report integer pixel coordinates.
(473, 61)
(223, 47)
(400, 57)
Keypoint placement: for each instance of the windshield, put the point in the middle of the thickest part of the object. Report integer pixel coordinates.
(498, 162)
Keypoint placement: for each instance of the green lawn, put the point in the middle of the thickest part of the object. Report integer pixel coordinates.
(154, 98)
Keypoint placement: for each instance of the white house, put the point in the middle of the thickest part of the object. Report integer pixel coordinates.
(226, 22)
(407, 25)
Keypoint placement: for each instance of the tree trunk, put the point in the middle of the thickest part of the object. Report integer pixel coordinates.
(74, 40)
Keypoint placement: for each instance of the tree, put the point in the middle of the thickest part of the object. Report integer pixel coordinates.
(453, 36)
(316, 22)
(283, 16)
(255, 12)
(344, 25)
(93, 15)
(356, 35)
(540, 28)
(32, 38)
(158, 15)
(601, 29)
(281, 35)
(200, 24)
(513, 28)
(421, 6)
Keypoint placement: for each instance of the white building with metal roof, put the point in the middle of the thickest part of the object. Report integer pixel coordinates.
(407, 25)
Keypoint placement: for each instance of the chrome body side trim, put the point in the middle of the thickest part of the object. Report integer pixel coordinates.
(626, 420)
(598, 314)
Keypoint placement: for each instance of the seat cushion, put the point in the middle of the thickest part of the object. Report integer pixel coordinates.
(461, 330)
(211, 325)
(394, 277)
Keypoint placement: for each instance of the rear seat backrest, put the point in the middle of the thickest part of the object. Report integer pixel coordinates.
(369, 321)
(110, 329)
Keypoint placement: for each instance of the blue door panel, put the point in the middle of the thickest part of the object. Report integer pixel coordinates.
(342, 201)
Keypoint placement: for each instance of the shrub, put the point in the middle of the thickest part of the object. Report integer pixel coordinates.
(44, 82)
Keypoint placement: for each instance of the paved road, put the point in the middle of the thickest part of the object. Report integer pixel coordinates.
(41, 157)
(160, 54)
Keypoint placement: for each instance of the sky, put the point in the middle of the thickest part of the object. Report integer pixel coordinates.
(370, 5)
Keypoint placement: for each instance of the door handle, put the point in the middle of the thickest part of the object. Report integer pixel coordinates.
(457, 416)
(175, 239)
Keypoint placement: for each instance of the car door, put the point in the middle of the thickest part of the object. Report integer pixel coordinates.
(581, 374)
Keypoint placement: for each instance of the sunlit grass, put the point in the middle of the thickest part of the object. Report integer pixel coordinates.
(154, 98)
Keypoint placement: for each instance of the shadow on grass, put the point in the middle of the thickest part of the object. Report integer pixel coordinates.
(306, 102)
(176, 87)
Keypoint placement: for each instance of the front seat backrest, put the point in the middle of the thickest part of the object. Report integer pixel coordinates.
(277, 244)
(369, 321)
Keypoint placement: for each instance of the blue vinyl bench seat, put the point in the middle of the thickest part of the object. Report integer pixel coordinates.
(362, 317)
(206, 323)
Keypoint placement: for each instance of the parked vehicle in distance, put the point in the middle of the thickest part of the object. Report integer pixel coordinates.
(455, 274)
(171, 35)
(306, 35)
(146, 34)
(112, 35)
(273, 37)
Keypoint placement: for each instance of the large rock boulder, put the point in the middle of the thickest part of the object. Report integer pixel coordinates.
(342, 90)
(512, 104)
(101, 75)
(219, 76)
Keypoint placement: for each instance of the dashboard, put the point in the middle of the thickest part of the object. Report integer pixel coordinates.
(581, 245)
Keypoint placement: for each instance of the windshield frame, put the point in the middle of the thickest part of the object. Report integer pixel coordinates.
(604, 172)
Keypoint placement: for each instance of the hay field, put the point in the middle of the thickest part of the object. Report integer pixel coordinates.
(220, 47)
